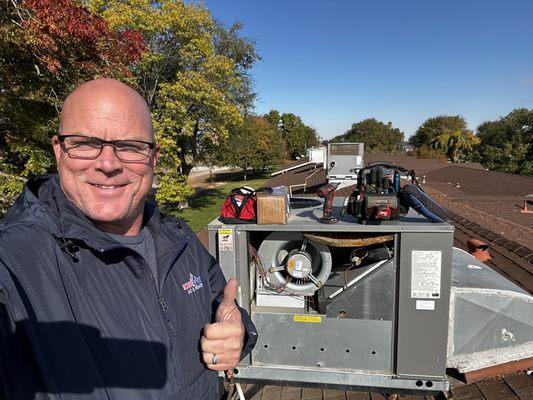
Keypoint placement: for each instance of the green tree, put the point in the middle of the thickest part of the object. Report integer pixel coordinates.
(293, 132)
(311, 137)
(255, 144)
(230, 43)
(195, 78)
(274, 117)
(426, 152)
(297, 135)
(436, 126)
(457, 145)
(448, 134)
(507, 144)
(10, 188)
(377, 136)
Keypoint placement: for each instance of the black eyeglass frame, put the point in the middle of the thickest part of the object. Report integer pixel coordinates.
(61, 138)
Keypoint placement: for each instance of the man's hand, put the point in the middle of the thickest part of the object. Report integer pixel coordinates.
(222, 341)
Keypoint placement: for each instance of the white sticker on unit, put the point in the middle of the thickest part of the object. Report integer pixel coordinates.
(225, 240)
(425, 274)
(425, 305)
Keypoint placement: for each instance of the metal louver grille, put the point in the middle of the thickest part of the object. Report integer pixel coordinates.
(344, 149)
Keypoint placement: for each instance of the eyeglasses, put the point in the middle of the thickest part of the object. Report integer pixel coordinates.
(89, 148)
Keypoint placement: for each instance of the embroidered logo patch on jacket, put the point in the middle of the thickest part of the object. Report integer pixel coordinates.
(193, 284)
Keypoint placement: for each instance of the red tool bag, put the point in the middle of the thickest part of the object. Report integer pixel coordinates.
(240, 207)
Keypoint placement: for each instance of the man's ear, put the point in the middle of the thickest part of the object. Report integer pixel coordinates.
(155, 156)
(56, 145)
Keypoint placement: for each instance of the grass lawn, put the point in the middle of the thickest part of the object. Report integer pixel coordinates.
(204, 206)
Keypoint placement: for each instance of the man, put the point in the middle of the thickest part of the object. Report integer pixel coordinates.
(101, 295)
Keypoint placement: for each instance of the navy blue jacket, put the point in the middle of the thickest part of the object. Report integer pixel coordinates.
(81, 316)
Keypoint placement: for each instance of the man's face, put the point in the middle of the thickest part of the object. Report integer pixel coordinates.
(109, 191)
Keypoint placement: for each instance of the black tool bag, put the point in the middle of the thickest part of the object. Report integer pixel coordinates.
(380, 196)
(376, 195)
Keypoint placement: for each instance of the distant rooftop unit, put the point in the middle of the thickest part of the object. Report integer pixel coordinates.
(344, 162)
(317, 155)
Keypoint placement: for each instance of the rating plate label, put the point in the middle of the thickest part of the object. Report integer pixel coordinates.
(425, 274)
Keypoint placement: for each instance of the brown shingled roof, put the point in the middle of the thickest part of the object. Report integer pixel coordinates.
(481, 182)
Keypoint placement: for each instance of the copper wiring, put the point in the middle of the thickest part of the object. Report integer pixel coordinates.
(262, 273)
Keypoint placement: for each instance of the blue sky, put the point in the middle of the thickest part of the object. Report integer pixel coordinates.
(338, 62)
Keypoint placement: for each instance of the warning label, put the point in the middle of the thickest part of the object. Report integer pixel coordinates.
(425, 274)
(225, 240)
(308, 318)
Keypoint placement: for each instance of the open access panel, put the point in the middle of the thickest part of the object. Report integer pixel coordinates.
(343, 305)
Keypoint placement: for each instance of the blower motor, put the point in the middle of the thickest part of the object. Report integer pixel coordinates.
(291, 264)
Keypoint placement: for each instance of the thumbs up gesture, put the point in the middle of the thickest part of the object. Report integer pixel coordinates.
(223, 340)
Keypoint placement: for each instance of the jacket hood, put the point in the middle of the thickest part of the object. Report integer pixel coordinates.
(44, 203)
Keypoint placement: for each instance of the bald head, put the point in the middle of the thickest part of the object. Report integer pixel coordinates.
(105, 100)
(109, 186)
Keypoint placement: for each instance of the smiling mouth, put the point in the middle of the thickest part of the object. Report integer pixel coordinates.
(107, 186)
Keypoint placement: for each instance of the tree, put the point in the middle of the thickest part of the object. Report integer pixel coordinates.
(230, 43)
(433, 127)
(377, 136)
(274, 117)
(311, 137)
(457, 145)
(293, 132)
(448, 134)
(195, 78)
(507, 144)
(255, 144)
(297, 135)
(426, 152)
(47, 48)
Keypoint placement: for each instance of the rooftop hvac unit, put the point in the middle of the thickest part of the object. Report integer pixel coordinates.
(317, 155)
(344, 162)
(344, 305)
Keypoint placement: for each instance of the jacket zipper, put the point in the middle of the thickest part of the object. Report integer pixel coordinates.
(166, 315)
(164, 309)
(161, 299)
(163, 304)
(173, 347)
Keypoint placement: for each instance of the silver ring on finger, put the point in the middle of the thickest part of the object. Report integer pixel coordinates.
(214, 358)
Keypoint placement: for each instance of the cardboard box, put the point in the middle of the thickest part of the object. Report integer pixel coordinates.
(273, 208)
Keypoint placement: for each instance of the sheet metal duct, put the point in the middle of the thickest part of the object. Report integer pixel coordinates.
(491, 318)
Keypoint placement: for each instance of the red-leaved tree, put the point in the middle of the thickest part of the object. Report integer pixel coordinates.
(47, 48)
(67, 38)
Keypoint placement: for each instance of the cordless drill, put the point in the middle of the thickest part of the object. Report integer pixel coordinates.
(327, 192)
